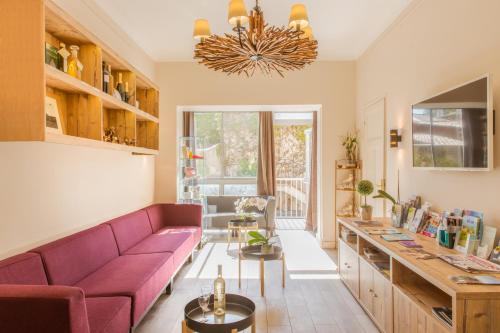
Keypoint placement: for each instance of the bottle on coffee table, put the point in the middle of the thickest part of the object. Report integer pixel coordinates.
(219, 294)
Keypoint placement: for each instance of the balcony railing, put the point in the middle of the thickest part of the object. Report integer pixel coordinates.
(291, 197)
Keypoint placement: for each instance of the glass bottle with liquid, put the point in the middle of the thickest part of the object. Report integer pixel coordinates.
(119, 86)
(105, 77)
(126, 95)
(219, 294)
(73, 66)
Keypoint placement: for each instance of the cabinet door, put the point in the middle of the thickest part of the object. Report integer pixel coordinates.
(343, 261)
(382, 301)
(366, 285)
(402, 312)
(434, 327)
(353, 270)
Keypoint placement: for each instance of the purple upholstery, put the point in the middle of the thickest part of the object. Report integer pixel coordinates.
(26, 268)
(109, 314)
(130, 229)
(167, 215)
(70, 259)
(42, 309)
(141, 277)
(180, 243)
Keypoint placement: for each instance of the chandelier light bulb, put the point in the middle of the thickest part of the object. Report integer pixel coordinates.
(298, 17)
(237, 15)
(201, 29)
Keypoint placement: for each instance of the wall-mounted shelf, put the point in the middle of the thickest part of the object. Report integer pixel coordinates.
(85, 110)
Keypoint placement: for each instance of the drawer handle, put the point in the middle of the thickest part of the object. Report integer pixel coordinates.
(375, 295)
(370, 290)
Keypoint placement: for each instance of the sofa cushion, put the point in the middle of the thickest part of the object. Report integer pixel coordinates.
(70, 259)
(130, 229)
(26, 268)
(109, 314)
(166, 215)
(180, 243)
(196, 231)
(141, 276)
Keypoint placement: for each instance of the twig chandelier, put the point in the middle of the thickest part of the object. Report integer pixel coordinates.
(258, 47)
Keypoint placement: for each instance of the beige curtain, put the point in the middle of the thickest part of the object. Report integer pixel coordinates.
(311, 218)
(266, 171)
(188, 123)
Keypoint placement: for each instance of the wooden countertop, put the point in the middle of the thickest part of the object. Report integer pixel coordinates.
(436, 271)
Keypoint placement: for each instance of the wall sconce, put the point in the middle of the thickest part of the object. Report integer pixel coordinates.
(395, 138)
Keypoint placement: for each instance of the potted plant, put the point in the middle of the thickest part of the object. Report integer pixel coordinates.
(243, 207)
(365, 188)
(266, 247)
(350, 144)
(394, 213)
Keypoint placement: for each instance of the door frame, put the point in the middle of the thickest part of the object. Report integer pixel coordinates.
(382, 99)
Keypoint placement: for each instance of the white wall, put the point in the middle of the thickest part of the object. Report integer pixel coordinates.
(435, 46)
(330, 84)
(51, 190)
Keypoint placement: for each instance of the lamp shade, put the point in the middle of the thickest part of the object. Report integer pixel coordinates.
(307, 33)
(237, 12)
(201, 29)
(298, 17)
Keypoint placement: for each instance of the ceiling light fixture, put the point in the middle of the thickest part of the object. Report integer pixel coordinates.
(258, 47)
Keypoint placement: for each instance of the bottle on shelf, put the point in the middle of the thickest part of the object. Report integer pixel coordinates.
(119, 86)
(219, 294)
(64, 54)
(105, 77)
(75, 67)
(126, 95)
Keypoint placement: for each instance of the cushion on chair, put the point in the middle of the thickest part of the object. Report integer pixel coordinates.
(70, 259)
(109, 314)
(26, 268)
(141, 276)
(180, 243)
(130, 229)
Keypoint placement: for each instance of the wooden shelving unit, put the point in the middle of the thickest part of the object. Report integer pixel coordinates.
(85, 109)
(346, 194)
(401, 300)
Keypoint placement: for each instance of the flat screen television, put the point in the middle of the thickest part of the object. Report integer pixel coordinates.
(454, 130)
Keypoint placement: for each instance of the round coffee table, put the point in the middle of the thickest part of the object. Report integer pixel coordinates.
(240, 227)
(253, 252)
(240, 315)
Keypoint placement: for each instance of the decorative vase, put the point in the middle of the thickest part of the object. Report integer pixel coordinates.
(366, 213)
(267, 249)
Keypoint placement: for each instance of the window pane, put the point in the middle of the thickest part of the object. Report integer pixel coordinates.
(208, 127)
(240, 130)
(210, 189)
(240, 189)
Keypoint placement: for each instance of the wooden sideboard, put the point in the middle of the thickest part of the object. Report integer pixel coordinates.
(401, 299)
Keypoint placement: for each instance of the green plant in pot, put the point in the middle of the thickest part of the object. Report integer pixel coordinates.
(265, 242)
(394, 214)
(365, 188)
(350, 144)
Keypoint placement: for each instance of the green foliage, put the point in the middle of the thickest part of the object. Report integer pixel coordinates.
(350, 144)
(365, 187)
(384, 195)
(257, 238)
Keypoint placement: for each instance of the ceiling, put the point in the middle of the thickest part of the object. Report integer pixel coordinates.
(163, 28)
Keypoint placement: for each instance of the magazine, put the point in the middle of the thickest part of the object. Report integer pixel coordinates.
(470, 263)
(478, 279)
(396, 237)
(409, 217)
(432, 224)
(444, 314)
(414, 226)
(419, 253)
(380, 231)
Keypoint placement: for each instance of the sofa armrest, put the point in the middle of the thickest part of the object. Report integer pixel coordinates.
(30, 309)
(167, 215)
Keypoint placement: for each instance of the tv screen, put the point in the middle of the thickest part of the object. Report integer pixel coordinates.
(451, 130)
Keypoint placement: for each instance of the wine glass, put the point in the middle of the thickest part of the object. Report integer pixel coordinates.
(204, 301)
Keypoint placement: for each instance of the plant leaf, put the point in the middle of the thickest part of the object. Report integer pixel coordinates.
(384, 195)
(255, 242)
(256, 235)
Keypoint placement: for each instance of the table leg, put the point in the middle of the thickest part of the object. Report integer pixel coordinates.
(262, 276)
(240, 230)
(234, 331)
(254, 328)
(228, 236)
(185, 329)
(283, 270)
(239, 270)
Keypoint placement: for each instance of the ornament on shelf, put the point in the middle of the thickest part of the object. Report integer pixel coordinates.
(64, 53)
(75, 67)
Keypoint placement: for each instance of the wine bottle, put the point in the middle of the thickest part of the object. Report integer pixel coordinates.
(126, 96)
(219, 294)
(105, 77)
(119, 86)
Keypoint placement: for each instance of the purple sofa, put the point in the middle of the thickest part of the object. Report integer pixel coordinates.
(103, 279)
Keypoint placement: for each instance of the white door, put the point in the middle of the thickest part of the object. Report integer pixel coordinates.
(374, 152)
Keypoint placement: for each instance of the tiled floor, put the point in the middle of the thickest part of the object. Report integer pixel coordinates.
(290, 224)
(313, 301)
